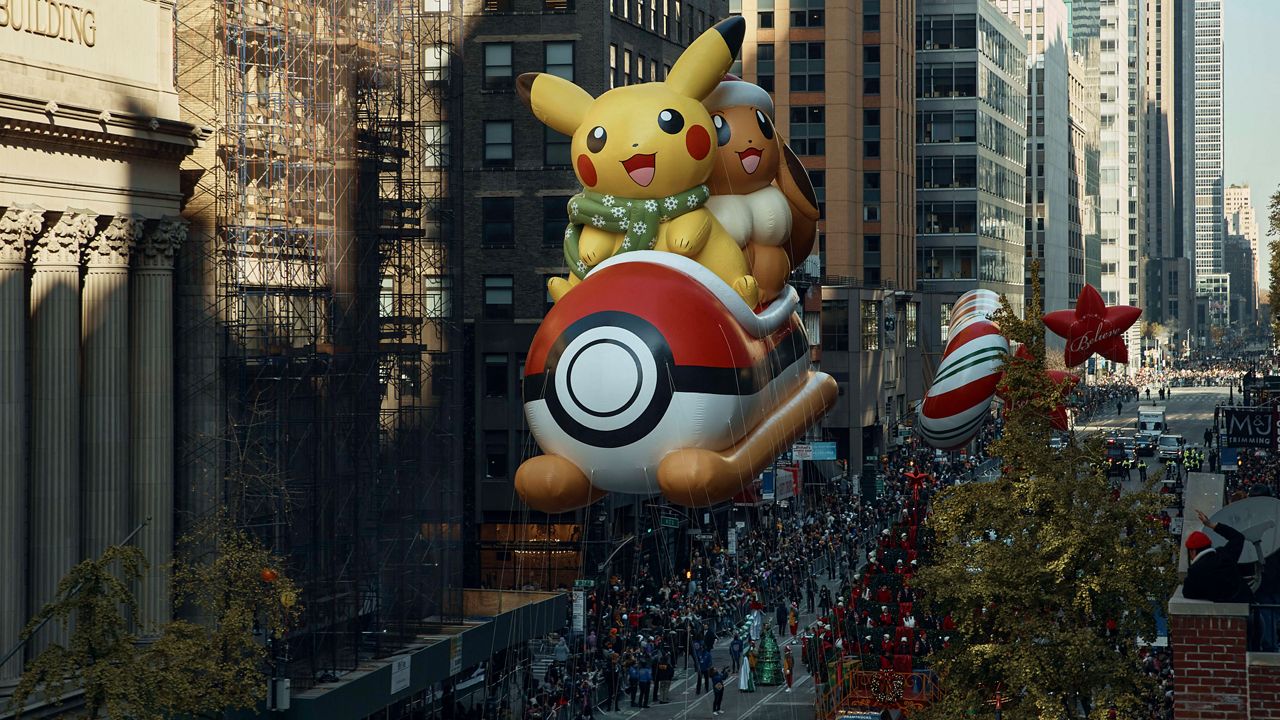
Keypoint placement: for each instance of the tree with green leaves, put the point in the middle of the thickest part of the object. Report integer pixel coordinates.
(1273, 290)
(193, 669)
(1050, 576)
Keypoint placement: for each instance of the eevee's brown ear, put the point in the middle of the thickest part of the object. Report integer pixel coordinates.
(797, 188)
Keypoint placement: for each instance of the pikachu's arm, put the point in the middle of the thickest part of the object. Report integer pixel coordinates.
(595, 245)
(794, 183)
(688, 234)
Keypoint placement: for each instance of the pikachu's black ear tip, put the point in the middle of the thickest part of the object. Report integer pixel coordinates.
(733, 29)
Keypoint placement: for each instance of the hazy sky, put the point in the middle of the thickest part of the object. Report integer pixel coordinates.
(1252, 112)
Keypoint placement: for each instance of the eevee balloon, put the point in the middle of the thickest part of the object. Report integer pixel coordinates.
(760, 192)
(643, 154)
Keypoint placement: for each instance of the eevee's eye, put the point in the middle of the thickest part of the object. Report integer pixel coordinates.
(670, 121)
(596, 139)
(722, 129)
(766, 127)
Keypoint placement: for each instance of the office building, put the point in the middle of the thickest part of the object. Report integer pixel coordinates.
(1206, 59)
(1084, 207)
(1242, 221)
(970, 149)
(1168, 282)
(1052, 239)
(841, 73)
(514, 169)
(1115, 30)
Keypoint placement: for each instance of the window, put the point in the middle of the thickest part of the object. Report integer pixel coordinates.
(944, 316)
(765, 66)
(435, 143)
(498, 147)
(496, 6)
(871, 60)
(808, 129)
(558, 57)
(495, 375)
(808, 67)
(871, 276)
(764, 20)
(912, 322)
(554, 220)
(555, 148)
(495, 454)
(871, 213)
(869, 312)
(499, 297)
(808, 13)
(640, 68)
(947, 263)
(497, 66)
(871, 148)
(870, 86)
(871, 187)
(498, 218)
(835, 325)
(613, 66)
(818, 178)
(627, 76)
(871, 16)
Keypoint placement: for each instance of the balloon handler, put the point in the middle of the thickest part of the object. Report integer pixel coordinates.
(657, 370)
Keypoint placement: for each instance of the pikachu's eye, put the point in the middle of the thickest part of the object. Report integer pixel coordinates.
(670, 121)
(722, 129)
(766, 127)
(596, 139)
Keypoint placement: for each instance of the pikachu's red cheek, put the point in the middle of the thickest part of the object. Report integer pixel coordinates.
(698, 142)
(586, 171)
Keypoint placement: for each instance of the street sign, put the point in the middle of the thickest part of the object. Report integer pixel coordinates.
(583, 584)
(401, 671)
(733, 541)
(670, 522)
(1249, 427)
(704, 536)
(579, 610)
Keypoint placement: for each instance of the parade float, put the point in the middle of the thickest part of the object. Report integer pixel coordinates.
(674, 359)
(968, 376)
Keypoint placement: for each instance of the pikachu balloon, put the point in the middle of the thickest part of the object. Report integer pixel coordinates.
(643, 154)
(760, 192)
(658, 369)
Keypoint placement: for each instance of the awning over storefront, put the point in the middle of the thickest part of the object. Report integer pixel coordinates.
(494, 620)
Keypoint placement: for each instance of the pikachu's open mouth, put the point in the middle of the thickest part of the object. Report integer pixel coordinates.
(640, 168)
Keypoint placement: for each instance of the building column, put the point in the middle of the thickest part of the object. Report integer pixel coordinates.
(18, 227)
(105, 409)
(55, 411)
(151, 388)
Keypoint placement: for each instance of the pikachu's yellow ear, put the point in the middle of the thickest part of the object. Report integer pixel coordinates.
(702, 66)
(558, 103)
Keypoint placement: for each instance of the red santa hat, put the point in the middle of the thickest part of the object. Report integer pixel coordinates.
(1198, 541)
(735, 92)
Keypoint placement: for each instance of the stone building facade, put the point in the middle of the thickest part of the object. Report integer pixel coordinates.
(90, 143)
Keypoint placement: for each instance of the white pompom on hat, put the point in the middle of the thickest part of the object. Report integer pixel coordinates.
(735, 92)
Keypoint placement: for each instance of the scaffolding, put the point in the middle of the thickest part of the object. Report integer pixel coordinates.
(318, 329)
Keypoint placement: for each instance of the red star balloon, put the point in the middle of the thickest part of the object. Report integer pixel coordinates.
(1065, 381)
(1093, 327)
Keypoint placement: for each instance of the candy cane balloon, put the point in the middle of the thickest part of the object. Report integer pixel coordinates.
(971, 367)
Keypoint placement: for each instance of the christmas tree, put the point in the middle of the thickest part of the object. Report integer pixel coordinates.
(770, 661)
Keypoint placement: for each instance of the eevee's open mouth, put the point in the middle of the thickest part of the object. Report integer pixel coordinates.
(640, 168)
(750, 159)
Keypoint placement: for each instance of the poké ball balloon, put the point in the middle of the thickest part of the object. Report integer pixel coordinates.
(654, 376)
(643, 153)
(761, 193)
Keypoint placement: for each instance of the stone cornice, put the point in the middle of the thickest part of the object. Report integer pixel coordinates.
(18, 227)
(61, 245)
(78, 126)
(112, 246)
(160, 243)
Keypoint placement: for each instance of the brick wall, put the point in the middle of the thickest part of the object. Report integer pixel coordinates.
(1264, 686)
(1215, 677)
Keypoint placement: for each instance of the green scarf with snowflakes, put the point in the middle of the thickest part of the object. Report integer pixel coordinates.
(637, 219)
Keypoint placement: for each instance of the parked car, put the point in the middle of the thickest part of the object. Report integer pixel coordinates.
(1171, 447)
